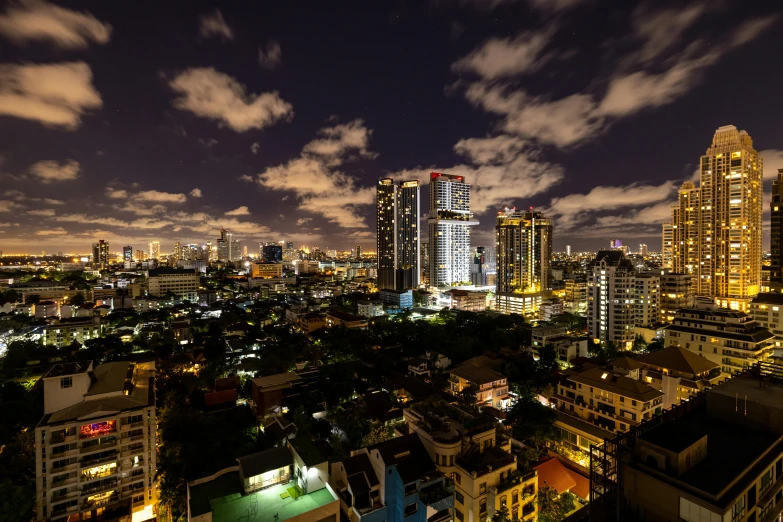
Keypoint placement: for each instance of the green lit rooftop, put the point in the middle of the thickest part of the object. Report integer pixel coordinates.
(223, 497)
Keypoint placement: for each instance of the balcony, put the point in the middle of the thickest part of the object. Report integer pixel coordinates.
(61, 439)
(100, 487)
(58, 482)
(98, 447)
(134, 478)
(87, 462)
(438, 496)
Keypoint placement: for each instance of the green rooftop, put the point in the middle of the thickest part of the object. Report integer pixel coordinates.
(223, 496)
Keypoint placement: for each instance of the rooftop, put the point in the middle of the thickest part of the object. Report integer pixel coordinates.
(263, 461)
(678, 359)
(472, 372)
(407, 453)
(343, 316)
(111, 377)
(274, 380)
(716, 472)
(171, 271)
(62, 370)
(307, 450)
(621, 385)
(626, 363)
(768, 298)
(553, 474)
(223, 497)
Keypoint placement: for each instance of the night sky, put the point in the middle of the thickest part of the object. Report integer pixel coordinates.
(139, 121)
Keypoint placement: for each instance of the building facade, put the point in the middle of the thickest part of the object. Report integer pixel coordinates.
(95, 446)
(100, 253)
(398, 239)
(449, 222)
(611, 285)
(524, 251)
(182, 283)
(776, 233)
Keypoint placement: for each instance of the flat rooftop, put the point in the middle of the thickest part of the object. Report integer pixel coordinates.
(223, 497)
(731, 449)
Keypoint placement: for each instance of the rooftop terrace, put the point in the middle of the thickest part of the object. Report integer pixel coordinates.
(223, 497)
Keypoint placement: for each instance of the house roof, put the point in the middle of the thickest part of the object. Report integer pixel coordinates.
(478, 370)
(110, 377)
(678, 359)
(408, 454)
(582, 488)
(619, 384)
(360, 473)
(626, 363)
(263, 461)
(274, 380)
(552, 473)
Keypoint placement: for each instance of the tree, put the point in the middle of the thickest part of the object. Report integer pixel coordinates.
(655, 345)
(77, 300)
(467, 397)
(501, 515)
(303, 420)
(532, 422)
(639, 344)
(553, 507)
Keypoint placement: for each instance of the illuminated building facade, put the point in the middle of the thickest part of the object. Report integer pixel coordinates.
(611, 307)
(524, 251)
(127, 253)
(776, 233)
(154, 250)
(398, 241)
(449, 222)
(95, 446)
(100, 253)
(717, 227)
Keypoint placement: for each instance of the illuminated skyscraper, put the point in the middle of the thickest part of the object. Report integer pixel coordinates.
(100, 253)
(776, 233)
(228, 248)
(398, 240)
(717, 228)
(449, 221)
(524, 251)
(127, 253)
(154, 250)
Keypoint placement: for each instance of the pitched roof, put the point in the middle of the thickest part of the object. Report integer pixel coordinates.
(274, 380)
(582, 488)
(619, 384)
(625, 363)
(678, 359)
(554, 475)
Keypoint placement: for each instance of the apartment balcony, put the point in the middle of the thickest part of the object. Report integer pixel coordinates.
(441, 516)
(58, 483)
(98, 447)
(65, 496)
(62, 510)
(93, 489)
(61, 439)
(69, 467)
(94, 504)
(129, 480)
(69, 453)
(88, 463)
(605, 400)
(126, 427)
(438, 496)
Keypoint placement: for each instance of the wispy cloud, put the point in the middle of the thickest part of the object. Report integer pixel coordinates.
(270, 57)
(37, 20)
(240, 211)
(53, 171)
(214, 24)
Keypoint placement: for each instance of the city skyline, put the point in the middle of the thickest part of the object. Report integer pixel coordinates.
(225, 126)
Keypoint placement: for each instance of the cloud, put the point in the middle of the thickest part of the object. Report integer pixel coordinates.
(37, 20)
(214, 25)
(160, 197)
(575, 209)
(337, 140)
(303, 221)
(59, 231)
(211, 94)
(501, 57)
(255, 147)
(544, 6)
(575, 119)
(661, 30)
(56, 95)
(8, 206)
(46, 212)
(116, 193)
(208, 142)
(313, 178)
(240, 211)
(195, 193)
(53, 171)
(143, 223)
(271, 57)
(773, 161)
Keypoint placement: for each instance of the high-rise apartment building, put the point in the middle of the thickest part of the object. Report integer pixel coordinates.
(228, 248)
(524, 251)
(717, 227)
(667, 246)
(643, 249)
(100, 253)
(611, 310)
(139, 255)
(154, 250)
(95, 446)
(483, 264)
(776, 233)
(398, 240)
(676, 292)
(127, 253)
(647, 299)
(177, 252)
(359, 247)
(272, 253)
(449, 221)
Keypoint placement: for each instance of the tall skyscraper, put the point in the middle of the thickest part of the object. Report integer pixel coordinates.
(272, 253)
(127, 253)
(483, 264)
(449, 221)
(524, 251)
(398, 240)
(154, 250)
(611, 310)
(100, 253)
(358, 251)
(568, 250)
(643, 249)
(228, 248)
(139, 255)
(716, 227)
(177, 252)
(776, 233)
(667, 246)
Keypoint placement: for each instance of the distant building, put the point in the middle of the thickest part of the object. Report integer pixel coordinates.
(402, 299)
(127, 253)
(776, 233)
(524, 251)
(95, 447)
(266, 270)
(611, 311)
(370, 308)
(765, 308)
(449, 222)
(522, 304)
(676, 292)
(272, 253)
(182, 283)
(479, 374)
(154, 250)
(336, 318)
(468, 300)
(100, 254)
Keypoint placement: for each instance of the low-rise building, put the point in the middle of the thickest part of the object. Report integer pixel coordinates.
(95, 446)
(730, 338)
(370, 308)
(337, 318)
(268, 392)
(765, 309)
(183, 283)
(476, 455)
(550, 309)
(66, 332)
(400, 299)
(266, 270)
(490, 386)
(311, 321)
(678, 373)
(279, 484)
(522, 304)
(470, 301)
(606, 398)
(45, 309)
